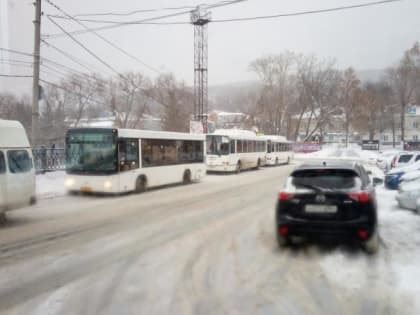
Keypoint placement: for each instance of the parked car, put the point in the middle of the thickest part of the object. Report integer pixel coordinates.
(394, 177)
(409, 195)
(384, 160)
(17, 173)
(404, 159)
(328, 200)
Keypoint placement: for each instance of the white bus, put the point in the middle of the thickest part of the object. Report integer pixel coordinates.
(107, 160)
(17, 172)
(232, 150)
(279, 150)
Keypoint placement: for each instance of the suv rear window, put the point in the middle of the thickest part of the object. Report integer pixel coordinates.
(2, 163)
(19, 161)
(405, 158)
(335, 179)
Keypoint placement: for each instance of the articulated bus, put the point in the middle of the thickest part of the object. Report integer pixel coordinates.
(232, 150)
(108, 160)
(279, 150)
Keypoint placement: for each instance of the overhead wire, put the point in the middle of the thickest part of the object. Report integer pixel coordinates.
(239, 19)
(104, 39)
(15, 76)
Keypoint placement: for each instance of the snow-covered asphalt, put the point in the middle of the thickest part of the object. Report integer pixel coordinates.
(206, 248)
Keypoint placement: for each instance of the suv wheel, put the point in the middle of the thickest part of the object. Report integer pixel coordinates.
(371, 246)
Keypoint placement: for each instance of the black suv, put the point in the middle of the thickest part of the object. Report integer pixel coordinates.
(328, 200)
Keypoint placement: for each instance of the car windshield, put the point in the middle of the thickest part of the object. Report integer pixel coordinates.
(217, 145)
(91, 151)
(325, 179)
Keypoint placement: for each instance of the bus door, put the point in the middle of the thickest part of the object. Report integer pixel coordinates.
(3, 199)
(128, 163)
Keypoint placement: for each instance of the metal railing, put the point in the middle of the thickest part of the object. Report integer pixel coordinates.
(49, 159)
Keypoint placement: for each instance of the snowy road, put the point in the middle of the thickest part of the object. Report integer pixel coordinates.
(206, 248)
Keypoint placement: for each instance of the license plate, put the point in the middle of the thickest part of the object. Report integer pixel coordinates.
(85, 189)
(320, 209)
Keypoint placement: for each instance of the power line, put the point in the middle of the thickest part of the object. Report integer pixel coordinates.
(104, 39)
(240, 19)
(72, 92)
(342, 8)
(84, 47)
(134, 12)
(89, 68)
(17, 52)
(119, 24)
(15, 76)
(16, 61)
(210, 6)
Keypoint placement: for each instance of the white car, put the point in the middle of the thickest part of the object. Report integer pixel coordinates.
(384, 160)
(409, 195)
(405, 158)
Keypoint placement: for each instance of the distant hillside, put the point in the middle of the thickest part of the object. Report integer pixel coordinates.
(371, 75)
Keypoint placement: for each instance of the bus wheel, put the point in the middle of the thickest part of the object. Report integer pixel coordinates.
(141, 184)
(277, 161)
(3, 219)
(187, 177)
(238, 167)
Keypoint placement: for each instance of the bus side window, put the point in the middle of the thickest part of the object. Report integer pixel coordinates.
(128, 154)
(232, 146)
(2, 163)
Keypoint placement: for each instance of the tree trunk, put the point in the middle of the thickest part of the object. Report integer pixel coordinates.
(402, 122)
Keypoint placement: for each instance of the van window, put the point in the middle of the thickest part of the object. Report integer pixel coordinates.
(19, 161)
(2, 163)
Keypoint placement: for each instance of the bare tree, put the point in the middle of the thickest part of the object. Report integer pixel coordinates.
(405, 79)
(277, 93)
(128, 99)
(177, 101)
(349, 97)
(317, 83)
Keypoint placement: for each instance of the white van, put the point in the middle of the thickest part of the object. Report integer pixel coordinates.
(17, 173)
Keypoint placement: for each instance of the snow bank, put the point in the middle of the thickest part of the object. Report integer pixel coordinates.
(50, 184)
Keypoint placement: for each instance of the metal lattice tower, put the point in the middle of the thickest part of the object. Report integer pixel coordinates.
(200, 19)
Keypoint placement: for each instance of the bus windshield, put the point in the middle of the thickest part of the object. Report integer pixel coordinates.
(91, 151)
(217, 145)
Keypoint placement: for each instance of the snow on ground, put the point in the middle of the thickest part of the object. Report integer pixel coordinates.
(50, 184)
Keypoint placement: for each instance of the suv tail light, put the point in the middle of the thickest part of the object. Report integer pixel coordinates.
(360, 196)
(284, 196)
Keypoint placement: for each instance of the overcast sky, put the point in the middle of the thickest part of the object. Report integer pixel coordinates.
(366, 38)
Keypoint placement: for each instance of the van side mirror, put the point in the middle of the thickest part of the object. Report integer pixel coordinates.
(377, 181)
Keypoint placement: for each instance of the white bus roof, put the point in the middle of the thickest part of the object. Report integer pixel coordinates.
(275, 138)
(148, 134)
(236, 134)
(13, 135)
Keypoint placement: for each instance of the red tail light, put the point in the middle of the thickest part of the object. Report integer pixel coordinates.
(284, 196)
(363, 234)
(360, 196)
(283, 230)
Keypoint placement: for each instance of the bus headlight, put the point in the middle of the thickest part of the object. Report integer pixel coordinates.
(69, 182)
(107, 184)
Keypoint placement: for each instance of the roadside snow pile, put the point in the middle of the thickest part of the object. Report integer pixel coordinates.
(50, 184)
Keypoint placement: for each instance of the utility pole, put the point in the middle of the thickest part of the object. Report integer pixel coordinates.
(200, 19)
(35, 79)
